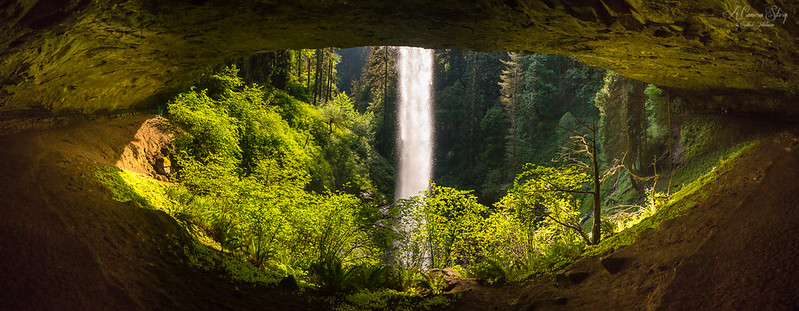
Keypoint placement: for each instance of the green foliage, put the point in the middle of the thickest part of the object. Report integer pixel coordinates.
(272, 180)
(657, 118)
(332, 276)
(627, 216)
(388, 299)
(444, 223)
(546, 192)
(633, 124)
(369, 300)
(491, 271)
(448, 227)
(205, 258)
(508, 246)
(375, 276)
(148, 193)
(144, 192)
(296, 188)
(543, 216)
(376, 92)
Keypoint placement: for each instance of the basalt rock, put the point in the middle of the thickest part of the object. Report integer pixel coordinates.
(106, 55)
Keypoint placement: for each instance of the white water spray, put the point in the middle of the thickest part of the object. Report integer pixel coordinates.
(415, 116)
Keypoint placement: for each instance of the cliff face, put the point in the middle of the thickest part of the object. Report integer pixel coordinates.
(104, 55)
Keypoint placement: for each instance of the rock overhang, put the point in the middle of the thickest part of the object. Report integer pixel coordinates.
(105, 55)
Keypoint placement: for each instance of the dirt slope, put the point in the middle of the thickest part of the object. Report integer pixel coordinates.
(65, 245)
(735, 249)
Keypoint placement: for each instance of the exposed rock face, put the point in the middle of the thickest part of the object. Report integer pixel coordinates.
(92, 55)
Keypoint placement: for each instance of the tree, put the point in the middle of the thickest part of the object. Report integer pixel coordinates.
(623, 124)
(375, 91)
(543, 192)
(510, 97)
(584, 146)
(492, 106)
(549, 191)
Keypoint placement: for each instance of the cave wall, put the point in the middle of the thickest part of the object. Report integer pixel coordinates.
(106, 55)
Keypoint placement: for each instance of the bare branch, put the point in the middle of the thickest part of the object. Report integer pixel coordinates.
(575, 133)
(559, 189)
(623, 208)
(573, 191)
(611, 171)
(567, 129)
(589, 128)
(573, 227)
(580, 165)
(639, 177)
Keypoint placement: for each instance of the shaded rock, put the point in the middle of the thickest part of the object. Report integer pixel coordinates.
(459, 284)
(569, 278)
(288, 283)
(613, 264)
(445, 272)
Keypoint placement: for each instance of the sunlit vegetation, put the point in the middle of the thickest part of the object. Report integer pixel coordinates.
(279, 181)
(660, 208)
(291, 178)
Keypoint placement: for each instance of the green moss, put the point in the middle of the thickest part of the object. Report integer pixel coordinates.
(697, 136)
(694, 168)
(142, 191)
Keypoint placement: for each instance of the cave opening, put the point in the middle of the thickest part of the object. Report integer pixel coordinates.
(271, 178)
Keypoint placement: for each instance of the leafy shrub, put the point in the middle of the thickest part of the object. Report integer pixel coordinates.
(490, 270)
(443, 224)
(374, 277)
(332, 276)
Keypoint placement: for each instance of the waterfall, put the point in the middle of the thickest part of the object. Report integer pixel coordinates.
(415, 117)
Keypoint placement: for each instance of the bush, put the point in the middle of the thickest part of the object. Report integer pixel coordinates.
(443, 224)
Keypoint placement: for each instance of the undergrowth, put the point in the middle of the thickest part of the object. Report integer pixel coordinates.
(389, 299)
(364, 286)
(677, 204)
(375, 286)
(145, 192)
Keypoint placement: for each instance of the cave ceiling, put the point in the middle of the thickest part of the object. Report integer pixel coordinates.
(106, 55)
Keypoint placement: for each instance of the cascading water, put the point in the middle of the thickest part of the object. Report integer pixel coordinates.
(415, 137)
(415, 116)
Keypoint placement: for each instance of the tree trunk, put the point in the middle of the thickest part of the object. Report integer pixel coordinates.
(596, 231)
(298, 53)
(472, 156)
(386, 134)
(320, 58)
(330, 78)
(385, 76)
